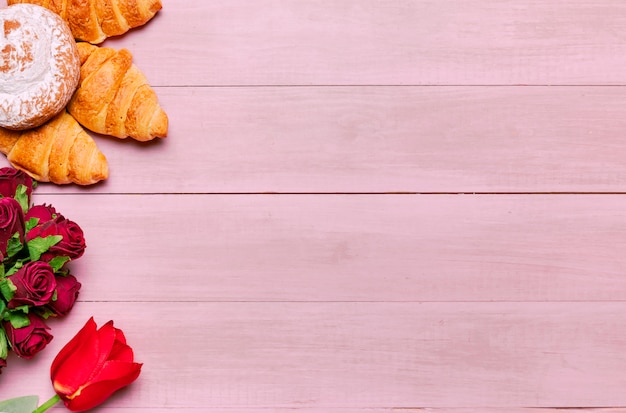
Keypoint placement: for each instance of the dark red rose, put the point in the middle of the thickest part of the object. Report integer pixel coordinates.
(67, 292)
(35, 283)
(72, 245)
(10, 178)
(3, 363)
(30, 340)
(43, 212)
(11, 222)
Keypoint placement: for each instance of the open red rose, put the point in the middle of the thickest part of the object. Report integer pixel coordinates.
(11, 178)
(30, 340)
(67, 293)
(11, 222)
(35, 285)
(72, 245)
(92, 366)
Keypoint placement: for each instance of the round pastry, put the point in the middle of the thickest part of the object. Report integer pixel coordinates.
(39, 65)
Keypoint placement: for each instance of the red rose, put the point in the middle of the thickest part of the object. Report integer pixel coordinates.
(72, 245)
(10, 178)
(11, 222)
(30, 340)
(67, 292)
(35, 283)
(43, 212)
(92, 366)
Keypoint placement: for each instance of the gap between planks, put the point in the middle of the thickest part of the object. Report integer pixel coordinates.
(334, 193)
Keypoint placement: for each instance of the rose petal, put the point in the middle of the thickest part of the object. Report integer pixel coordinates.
(76, 361)
(113, 376)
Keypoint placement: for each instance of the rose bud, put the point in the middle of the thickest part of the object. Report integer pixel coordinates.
(30, 340)
(67, 292)
(72, 245)
(35, 284)
(11, 222)
(92, 366)
(43, 212)
(10, 178)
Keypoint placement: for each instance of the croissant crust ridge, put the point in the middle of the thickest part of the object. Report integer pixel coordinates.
(59, 151)
(94, 21)
(114, 98)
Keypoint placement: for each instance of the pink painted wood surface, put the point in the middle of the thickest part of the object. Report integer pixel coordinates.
(378, 139)
(359, 355)
(359, 248)
(348, 42)
(327, 297)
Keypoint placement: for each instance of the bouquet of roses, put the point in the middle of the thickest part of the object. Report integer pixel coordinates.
(36, 243)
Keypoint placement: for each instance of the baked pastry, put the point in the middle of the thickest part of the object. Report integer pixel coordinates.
(95, 20)
(59, 151)
(39, 66)
(113, 96)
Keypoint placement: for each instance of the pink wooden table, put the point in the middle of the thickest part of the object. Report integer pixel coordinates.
(365, 206)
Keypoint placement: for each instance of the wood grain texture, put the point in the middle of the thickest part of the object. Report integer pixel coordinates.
(348, 42)
(350, 248)
(340, 295)
(377, 139)
(359, 355)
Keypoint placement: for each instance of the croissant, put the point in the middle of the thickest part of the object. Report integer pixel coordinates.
(114, 97)
(59, 151)
(95, 20)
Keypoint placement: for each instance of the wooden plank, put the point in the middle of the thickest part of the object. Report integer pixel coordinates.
(357, 355)
(298, 409)
(378, 139)
(425, 42)
(209, 409)
(350, 247)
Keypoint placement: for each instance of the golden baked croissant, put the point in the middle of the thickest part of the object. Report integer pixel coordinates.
(95, 20)
(59, 151)
(114, 97)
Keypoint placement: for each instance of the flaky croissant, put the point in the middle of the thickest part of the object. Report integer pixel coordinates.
(95, 20)
(114, 97)
(59, 151)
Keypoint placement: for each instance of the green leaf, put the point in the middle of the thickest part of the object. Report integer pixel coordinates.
(17, 319)
(23, 308)
(45, 312)
(22, 197)
(15, 268)
(7, 289)
(31, 223)
(38, 246)
(4, 344)
(25, 404)
(58, 262)
(14, 245)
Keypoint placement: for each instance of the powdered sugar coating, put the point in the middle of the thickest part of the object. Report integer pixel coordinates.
(39, 65)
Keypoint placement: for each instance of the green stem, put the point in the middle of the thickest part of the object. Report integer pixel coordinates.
(53, 400)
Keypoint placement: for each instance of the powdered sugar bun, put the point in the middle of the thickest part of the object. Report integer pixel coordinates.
(39, 65)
